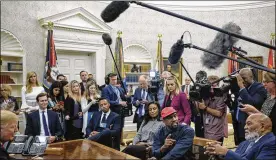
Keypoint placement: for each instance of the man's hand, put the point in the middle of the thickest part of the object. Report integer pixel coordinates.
(201, 105)
(240, 81)
(216, 149)
(123, 103)
(80, 114)
(52, 139)
(93, 133)
(144, 101)
(169, 142)
(249, 109)
(137, 102)
(67, 117)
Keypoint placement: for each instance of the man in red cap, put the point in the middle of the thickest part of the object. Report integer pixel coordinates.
(172, 140)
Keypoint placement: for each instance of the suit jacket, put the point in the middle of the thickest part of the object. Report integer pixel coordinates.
(109, 94)
(182, 106)
(82, 88)
(255, 96)
(183, 88)
(183, 135)
(264, 149)
(137, 96)
(113, 122)
(33, 124)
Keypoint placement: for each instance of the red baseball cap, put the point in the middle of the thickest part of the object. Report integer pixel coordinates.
(167, 111)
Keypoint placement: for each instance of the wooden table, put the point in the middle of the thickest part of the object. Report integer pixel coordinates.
(82, 149)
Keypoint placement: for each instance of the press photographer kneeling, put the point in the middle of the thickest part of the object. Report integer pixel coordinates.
(214, 111)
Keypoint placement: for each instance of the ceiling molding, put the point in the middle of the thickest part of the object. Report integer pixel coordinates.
(203, 6)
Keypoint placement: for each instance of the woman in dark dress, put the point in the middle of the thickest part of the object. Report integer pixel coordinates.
(56, 101)
(73, 112)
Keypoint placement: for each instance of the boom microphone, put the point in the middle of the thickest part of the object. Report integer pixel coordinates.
(220, 44)
(107, 39)
(113, 10)
(176, 51)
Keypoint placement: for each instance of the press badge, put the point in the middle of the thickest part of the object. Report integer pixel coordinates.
(207, 120)
(103, 125)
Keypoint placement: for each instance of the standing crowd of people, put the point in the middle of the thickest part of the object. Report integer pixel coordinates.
(73, 110)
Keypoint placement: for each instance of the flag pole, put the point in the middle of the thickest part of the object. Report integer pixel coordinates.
(272, 35)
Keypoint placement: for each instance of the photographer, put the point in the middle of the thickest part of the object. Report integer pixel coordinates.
(251, 92)
(214, 113)
(141, 99)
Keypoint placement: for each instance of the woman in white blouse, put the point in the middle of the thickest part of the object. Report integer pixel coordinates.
(29, 93)
(89, 103)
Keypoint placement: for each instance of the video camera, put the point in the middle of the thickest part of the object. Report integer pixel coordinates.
(155, 82)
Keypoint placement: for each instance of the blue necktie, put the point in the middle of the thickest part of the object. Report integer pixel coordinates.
(104, 118)
(141, 106)
(45, 124)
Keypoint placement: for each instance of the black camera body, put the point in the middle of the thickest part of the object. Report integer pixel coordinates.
(200, 90)
(233, 83)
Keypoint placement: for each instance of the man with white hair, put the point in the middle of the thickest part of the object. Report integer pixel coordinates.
(260, 141)
(141, 98)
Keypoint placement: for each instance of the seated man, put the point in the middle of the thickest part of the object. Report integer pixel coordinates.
(44, 122)
(104, 125)
(260, 142)
(172, 140)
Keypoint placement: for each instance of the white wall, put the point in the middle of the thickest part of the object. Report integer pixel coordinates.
(139, 26)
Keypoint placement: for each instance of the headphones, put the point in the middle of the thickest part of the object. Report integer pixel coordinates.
(106, 78)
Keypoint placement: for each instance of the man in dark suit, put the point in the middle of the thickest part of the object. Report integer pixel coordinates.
(251, 92)
(260, 142)
(44, 122)
(141, 98)
(187, 87)
(83, 77)
(115, 95)
(104, 125)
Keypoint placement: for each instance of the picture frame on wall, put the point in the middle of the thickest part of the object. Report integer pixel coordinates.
(176, 68)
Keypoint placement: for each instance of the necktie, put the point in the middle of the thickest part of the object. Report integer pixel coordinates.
(186, 90)
(104, 118)
(141, 106)
(45, 124)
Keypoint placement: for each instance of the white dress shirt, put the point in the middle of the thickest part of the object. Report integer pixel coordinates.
(42, 132)
(106, 116)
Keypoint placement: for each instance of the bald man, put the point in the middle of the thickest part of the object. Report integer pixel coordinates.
(141, 98)
(260, 141)
(251, 92)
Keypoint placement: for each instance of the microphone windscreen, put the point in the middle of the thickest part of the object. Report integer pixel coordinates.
(107, 39)
(176, 52)
(113, 10)
(221, 45)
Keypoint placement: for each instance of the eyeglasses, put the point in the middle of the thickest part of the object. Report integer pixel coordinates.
(264, 81)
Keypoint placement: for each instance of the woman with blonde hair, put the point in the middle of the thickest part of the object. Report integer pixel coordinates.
(89, 103)
(73, 112)
(7, 101)
(29, 92)
(177, 99)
